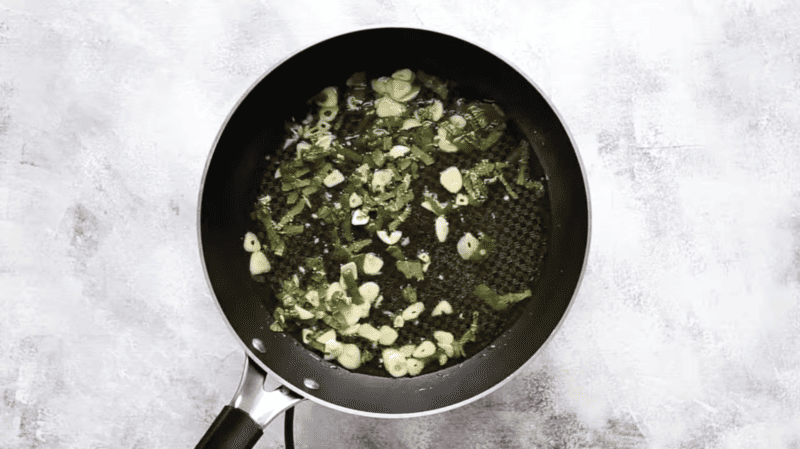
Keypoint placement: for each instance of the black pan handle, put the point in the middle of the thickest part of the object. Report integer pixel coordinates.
(241, 423)
(233, 429)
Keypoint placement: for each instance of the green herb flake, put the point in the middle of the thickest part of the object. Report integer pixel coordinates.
(490, 140)
(359, 245)
(469, 335)
(423, 136)
(347, 231)
(404, 164)
(436, 208)
(350, 154)
(537, 187)
(352, 287)
(295, 184)
(410, 294)
(411, 269)
(499, 302)
(508, 187)
(379, 158)
(293, 212)
(395, 252)
(324, 212)
(275, 241)
(422, 155)
(310, 190)
(293, 229)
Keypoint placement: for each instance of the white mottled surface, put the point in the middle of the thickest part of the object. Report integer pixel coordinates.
(686, 331)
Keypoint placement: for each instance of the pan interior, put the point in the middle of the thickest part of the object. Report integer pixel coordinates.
(233, 182)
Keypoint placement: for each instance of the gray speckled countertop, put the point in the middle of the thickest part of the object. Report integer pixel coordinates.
(685, 333)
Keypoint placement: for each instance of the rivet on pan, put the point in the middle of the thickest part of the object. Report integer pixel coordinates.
(311, 384)
(259, 345)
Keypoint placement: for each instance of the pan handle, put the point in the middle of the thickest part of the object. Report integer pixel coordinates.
(241, 423)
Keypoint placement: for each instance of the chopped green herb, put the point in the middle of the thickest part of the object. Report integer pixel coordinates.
(400, 219)
(295, 184)
(411, 269)
(293, 229)
(499, 302)
(508, 187)
(359, 245)
(422, 155)
(410, 294)
(293, 212)
(395, 252)
(469, 335)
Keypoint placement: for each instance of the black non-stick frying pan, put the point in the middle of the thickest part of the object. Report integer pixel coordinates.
(231, 185)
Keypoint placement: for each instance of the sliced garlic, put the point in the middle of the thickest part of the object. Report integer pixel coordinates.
(443, 143)
(369, 291)
(458, 120)
(349, 267)
(410, 95)
(351, 330)
(442, 228)
(251, 242)
(399, 151)
(259, 263)
(372, 264)
(467, 246)
(394, 362)
(350, 357)
(381, 85)
(355, 200)
(407, 350)
(333, 289)
(334, 348)
(334, 178)
(443, 337)
(388, 335)
(413, 311)
(437, 110)
(389, 239)
(331, 97)
(381, 179)
(360, 218)
(414, 366)
(403, 75)
(369, 332)
(451, 179)
(424, 349)
(313, 298)
(326, 336)
(447, 347)
(442, 307)
(398, 88)
(410, 123)
(426, 260)
(302, 313)
(386, 107)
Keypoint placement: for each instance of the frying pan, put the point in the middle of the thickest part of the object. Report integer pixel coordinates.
(230, 186)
